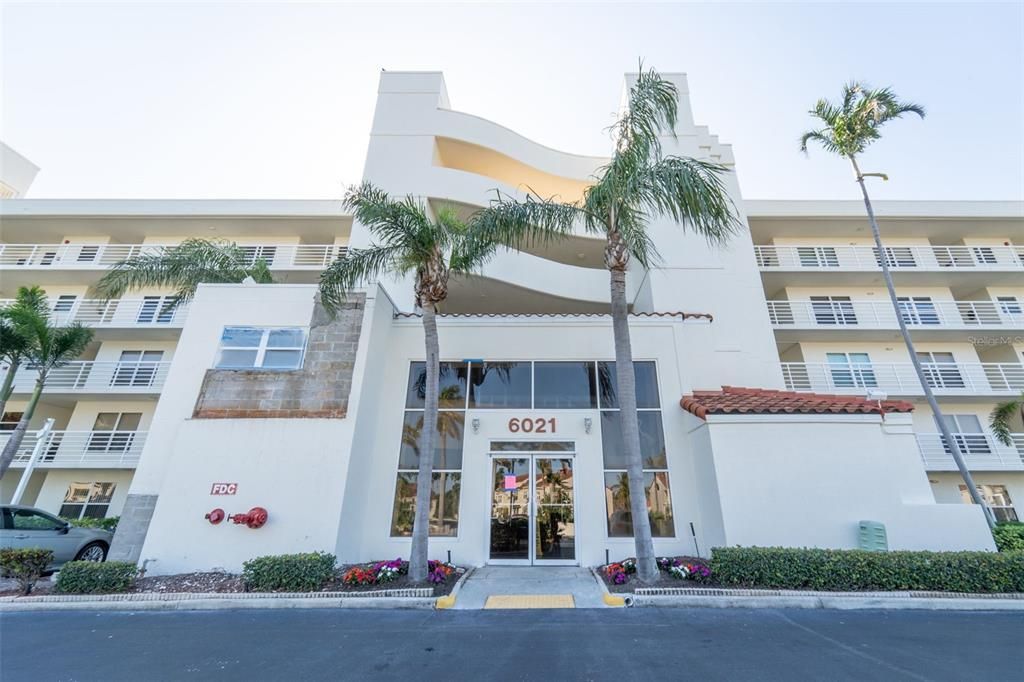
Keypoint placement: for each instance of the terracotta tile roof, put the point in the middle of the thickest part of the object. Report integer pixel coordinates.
(736, 400)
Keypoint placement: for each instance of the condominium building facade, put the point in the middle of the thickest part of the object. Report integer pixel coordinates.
(778, 405)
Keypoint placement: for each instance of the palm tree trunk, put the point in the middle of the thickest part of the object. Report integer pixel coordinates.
(646, 568)
(18, 434)
(8, 388)
(947, 437)
(424, 476)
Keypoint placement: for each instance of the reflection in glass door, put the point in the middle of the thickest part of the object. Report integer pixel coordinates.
(533, 516)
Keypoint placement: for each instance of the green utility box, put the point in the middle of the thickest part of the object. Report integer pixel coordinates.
(872, 536)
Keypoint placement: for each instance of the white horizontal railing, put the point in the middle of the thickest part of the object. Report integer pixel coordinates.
(880, 314)
(980, 451)
(97, 377)
(151, 311)
(842, 257)
(102, 256)
(900, 378)
(81, 448)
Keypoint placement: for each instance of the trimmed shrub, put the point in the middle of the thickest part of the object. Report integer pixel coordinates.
(855, 569)
(108, 523)
(95, 577)
(1009, 536)
(288, 572)
(25, 565)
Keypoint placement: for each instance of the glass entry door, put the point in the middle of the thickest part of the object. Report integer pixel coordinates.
(533, 511)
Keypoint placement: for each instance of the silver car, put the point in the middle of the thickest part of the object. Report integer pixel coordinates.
(25, 527)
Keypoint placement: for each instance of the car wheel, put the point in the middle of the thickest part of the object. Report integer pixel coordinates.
(94, 551)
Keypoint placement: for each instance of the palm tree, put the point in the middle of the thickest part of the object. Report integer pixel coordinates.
(408, 240)
(636, 185)
(184, 267)
(1002, 415)
(49, 347)
(14, 345)
(849, 128)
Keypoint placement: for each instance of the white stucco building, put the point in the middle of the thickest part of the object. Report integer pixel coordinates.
(315, 418)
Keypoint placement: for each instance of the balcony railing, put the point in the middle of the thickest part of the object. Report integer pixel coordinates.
(97, 377)
(102, 256)
(900, 379)
(980, 451)
(150, 311)
(81, 448)
(969, 315)
(939, 258)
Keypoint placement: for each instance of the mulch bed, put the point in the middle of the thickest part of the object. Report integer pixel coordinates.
(217, 582)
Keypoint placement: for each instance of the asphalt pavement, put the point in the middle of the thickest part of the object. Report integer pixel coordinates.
(553, 645)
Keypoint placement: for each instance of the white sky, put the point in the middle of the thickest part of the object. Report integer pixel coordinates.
(274, 100)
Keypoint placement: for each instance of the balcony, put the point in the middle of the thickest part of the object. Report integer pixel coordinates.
(102, 256)
(82, 449)
(981, 452)
(829, 316)
(97, 377)
(967, 380)
(123, 313)
(976, 265)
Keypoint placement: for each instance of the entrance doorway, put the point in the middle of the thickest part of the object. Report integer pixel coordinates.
(533, 504)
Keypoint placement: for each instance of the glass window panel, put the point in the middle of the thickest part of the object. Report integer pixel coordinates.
(652, 441)
(532, 446)
(282, 359)
(71, 511)
(452, 385)
(25, 519)
(95, 511)
(77, 492)
(448, 440)
(241, 337)
(102, 493)
(286, 338)
(646, 373)
(659, 504)
(564, 385)
(444, 508)
(129, 421)
(105, 421)
(500, 384)
(237, 358)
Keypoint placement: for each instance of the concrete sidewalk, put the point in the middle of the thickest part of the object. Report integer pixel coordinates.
(488, 581)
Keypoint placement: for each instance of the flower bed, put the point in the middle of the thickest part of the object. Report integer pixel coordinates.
(680, 571)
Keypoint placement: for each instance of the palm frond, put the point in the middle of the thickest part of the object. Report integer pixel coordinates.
(14, 345)
(853, 124)
(393, 223)
(1000, 420)
(66, 344)
(523, 224)
(652, 107)
(358, 266)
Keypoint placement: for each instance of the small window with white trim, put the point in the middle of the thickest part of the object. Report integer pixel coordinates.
(997, 498)
(280, 348)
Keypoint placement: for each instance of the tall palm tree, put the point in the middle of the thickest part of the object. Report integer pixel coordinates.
(50, 346)
(184, 267)
(638, 183)
(1002, 415)
(408, 240)
(849, 127)
(14, 345)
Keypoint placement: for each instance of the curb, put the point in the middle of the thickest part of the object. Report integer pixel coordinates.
(448, 601)
(777, 599)
(609, 599)
(416, 598)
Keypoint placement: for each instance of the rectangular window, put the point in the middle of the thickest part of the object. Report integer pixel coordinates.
(155, 310)
(851, 370)
(896, 257)
(967, 432)
(279, 348)
(137, 368)
(817, 257)
(1010, 307)
(833, 310)
(500, 385)
(114, 431)
(984, 255)
(941, 370)
(652, 452)
(87, 500)
(64, 303)
(917, 310)
(997, 498)
(564, 385)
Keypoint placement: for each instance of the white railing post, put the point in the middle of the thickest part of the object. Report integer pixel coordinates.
(42, 436)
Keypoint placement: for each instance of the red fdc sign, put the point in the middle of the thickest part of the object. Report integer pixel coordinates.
(224, 489)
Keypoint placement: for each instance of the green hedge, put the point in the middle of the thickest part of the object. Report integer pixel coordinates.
(25, 565)
(288, 572)
(95, 577)
(854, 569)
(1009, 537)
(108, 523)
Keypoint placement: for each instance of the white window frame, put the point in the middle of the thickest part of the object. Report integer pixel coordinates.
(94, 487)
(262, 348)
(989, 492)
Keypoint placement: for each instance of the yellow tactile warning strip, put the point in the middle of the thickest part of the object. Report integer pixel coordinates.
(530, 601)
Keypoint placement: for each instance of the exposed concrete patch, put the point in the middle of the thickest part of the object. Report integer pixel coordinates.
(132, 527)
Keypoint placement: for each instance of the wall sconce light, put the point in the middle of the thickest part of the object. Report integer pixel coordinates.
(588, 424)
(475, 424)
